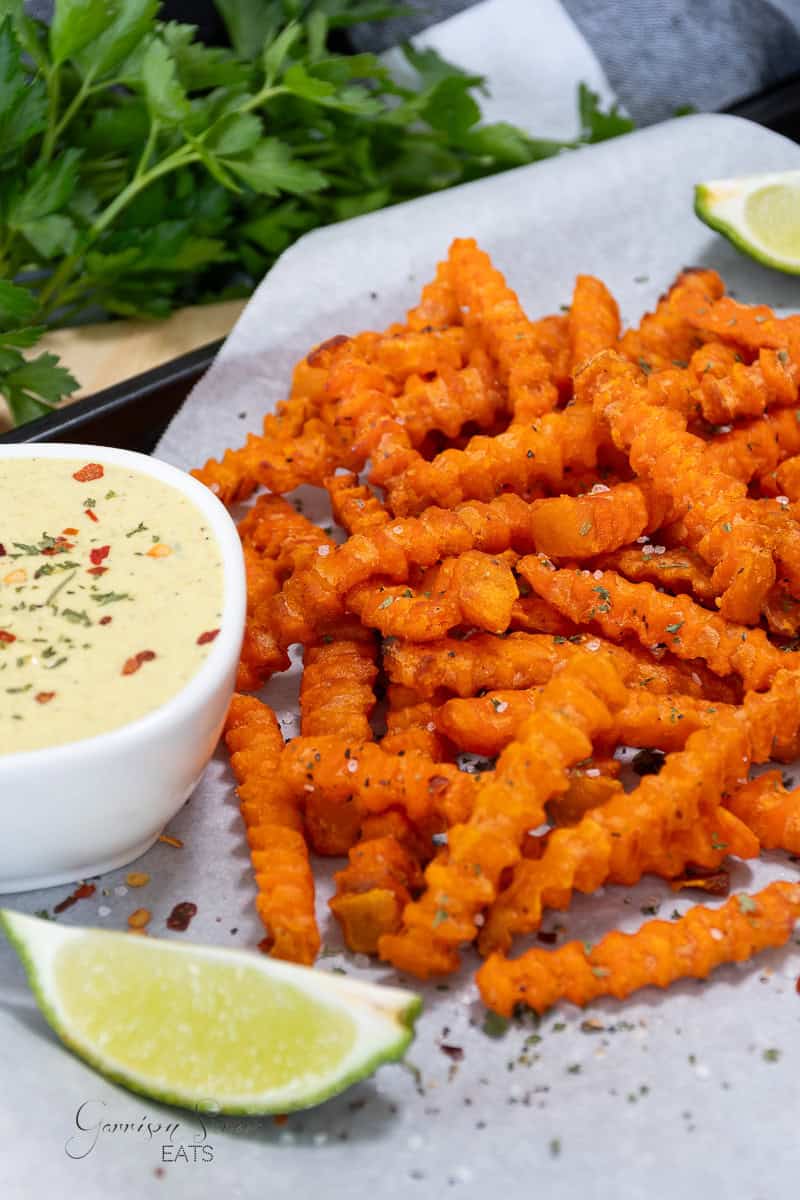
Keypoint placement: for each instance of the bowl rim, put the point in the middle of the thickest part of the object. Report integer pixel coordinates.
(225, 647)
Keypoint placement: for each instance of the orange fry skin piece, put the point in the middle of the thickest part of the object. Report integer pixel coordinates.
(689, 631)
(676, 570)
(285, 900)
(336, 691)
(464, 877)
(593, 319)
(597, 522)
(667, 336)
(354, 505)
(772, 812)
(372, 890)
(524, 660)
(485, 724)
(658, 954)
(473, 589)
(494, 309)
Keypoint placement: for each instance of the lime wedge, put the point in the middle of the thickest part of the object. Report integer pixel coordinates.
(760, 214)
(209, 1029)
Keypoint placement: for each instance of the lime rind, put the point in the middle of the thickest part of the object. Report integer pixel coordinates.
(384, 1018)
(722, 205)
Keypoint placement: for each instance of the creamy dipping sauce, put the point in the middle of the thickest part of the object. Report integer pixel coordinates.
(111, 592)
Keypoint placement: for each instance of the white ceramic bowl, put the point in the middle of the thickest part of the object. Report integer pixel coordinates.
(85, 807)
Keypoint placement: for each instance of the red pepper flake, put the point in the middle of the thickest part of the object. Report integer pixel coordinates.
(181, 915)
(44, 697)
(207, 637)
(7, 637)
(280, 1119)
(92, 515)
(96, 570)
(132, 664)
(797, 985)
(88, 473)
(81, 893)
(2, 550)
(71, 530)
(454, 1052)
(98, 554)
(104, 621)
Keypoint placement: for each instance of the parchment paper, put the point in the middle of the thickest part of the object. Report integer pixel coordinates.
(694, 1091)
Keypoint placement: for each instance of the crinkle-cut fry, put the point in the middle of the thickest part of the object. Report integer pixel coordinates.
(784, 425)
(593, 319)
(410, 725)
(451, 399)
(770, 810)
(553, 340)
(752, 326)
(354, 505)
(751, 449)
(677, 569)
(619, 607)
(669, 820)
(599, 521)
(438, 305)
(260, 655)
(331, 826)
(666, 337)
(532, 614)
(285, 901)
(494, 309)
(787, 477)
(658, 954)
(336, 691)
(377, 780)
(524, 660)
(372, 891)
(464, 877)
(275, 540)
(748, 390)
(524, 455)
(318, 592)
(485, 724)
(473, 589)
(235, 476)
(726, 527)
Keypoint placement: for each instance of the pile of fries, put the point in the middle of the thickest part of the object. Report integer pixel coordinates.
(561, 539)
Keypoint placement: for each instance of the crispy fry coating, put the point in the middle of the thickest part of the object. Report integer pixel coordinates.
(602, 520)
(354, 506)
(465, 877)
(619, 607)
(666, 337)
(485, 724)
(676, 570)
(473, 589)
(593, 319)
(372, 891)
(492, 307)
(772, 812)
(285, 900)
(336, 692)
(658, 954)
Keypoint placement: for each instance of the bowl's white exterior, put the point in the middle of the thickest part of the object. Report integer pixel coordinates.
(71, 811)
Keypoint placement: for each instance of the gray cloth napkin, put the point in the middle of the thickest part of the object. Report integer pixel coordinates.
(659, 55)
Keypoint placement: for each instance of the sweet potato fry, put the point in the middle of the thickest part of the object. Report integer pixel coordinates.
(770, 810)
(658, 954)
(593, 319)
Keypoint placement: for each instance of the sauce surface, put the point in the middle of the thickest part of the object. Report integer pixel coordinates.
(111, 592)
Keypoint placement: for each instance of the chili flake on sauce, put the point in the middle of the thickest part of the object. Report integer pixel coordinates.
(84, 609)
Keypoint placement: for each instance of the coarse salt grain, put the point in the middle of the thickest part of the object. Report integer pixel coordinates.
(593, 772)
(643, 539)
(103, 911)
(782, 499)
(501, 706)
(431, 728)
(308, 787)
(598, 574)
(598, 488)
(593, 646)
(659, 549)
(696, 678)
(717, 934)
(121, 890)
(323, 551)
(352, 766)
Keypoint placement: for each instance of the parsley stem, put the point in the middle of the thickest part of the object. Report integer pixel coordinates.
(56, 128)
(58, 587)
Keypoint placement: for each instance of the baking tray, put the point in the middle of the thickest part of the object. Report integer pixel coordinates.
(133, 414)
